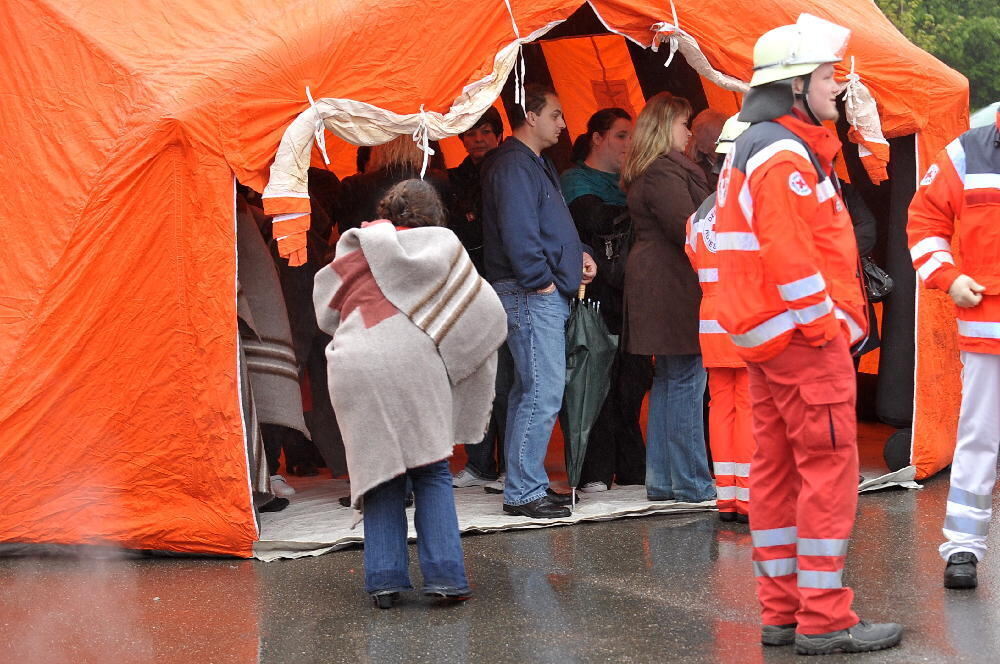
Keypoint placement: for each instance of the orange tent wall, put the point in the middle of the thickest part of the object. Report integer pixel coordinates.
(119, 408)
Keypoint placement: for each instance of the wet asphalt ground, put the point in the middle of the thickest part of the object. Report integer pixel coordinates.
(653, 589)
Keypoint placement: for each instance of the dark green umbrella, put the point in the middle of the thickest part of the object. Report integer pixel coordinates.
(590, 351)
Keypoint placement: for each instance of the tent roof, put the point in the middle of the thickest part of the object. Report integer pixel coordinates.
(125, 122)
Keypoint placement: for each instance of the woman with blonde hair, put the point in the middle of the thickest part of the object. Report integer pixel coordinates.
(662, 298)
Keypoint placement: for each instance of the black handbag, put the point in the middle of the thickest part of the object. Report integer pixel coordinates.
(878, 283)
(612, 250)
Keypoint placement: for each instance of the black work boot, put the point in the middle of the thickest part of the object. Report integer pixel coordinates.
(778, 635)
(960, 572)
(863, 637)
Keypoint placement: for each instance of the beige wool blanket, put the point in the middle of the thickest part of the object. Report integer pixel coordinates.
(413, 357)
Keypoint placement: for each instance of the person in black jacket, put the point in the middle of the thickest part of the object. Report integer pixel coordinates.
(390, 163)
(485, 461)
(615, 450)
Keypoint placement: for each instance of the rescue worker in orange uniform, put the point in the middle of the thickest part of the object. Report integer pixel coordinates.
(791, 299)
(729, 427)
(962, 187)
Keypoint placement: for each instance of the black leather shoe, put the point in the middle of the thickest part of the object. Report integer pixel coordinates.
(538, 509)
(557, 498)
(727, 516)
(960, 573)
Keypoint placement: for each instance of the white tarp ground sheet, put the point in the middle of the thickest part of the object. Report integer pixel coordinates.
(315, 523)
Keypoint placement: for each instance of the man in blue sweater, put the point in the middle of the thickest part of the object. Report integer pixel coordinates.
(535, 261)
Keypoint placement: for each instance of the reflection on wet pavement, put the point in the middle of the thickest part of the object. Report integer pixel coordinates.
(656, 589)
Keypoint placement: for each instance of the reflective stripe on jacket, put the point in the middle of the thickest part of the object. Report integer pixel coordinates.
(962, 187)
(788, 259)
(716, 348)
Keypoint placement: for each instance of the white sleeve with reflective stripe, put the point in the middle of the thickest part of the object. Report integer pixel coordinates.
(929, 245)
(934, 263)
(957, 155)
(785, 144)
(804, 287)
(813, 313)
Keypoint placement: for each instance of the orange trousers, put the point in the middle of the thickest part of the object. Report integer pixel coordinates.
(730, 436)
(804, 482)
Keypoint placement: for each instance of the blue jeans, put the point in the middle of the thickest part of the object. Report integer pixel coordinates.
(536, 336)
(438, 545)
(676, 459)
(486, 458)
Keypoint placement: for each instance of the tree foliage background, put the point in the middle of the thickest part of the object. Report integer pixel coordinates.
(964, 34)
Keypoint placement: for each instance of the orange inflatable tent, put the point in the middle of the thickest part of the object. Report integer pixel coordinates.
(125, 126)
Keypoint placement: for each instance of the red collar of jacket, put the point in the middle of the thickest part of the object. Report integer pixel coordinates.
(824, 144)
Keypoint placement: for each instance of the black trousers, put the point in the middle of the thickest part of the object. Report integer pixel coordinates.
(616, 450)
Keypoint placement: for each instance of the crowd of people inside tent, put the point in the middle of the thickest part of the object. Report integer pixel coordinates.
(662, 300)
(422, 337)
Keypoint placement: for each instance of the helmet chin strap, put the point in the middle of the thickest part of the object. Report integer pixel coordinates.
(804, 98)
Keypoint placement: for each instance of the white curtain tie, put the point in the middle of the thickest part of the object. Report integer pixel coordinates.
(519, 64)
(422, 139)
(319, 131)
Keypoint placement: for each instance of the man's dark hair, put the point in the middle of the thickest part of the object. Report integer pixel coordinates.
(492, 118)
(535, 98)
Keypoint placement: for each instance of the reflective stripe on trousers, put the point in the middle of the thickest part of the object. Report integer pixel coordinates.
(973, 467)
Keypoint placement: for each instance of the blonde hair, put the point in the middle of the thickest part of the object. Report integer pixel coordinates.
(400, 151)
(653, 134)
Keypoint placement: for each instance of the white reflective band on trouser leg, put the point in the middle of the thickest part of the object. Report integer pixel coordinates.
(804, 287)
(967, 525)
(733, 493)
(822, 547)
(766, 331)
(723, 467)
(978, 329)
(969, 499)
(982, 181)
(710, 327)
(775, 536)
(929, 245)
(731, 468)
(773, 568)
(820, 580)
(813, 313)
(708, 275)
(736, 242)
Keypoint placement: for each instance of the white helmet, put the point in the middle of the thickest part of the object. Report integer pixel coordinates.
(796, 50)
(731, 130)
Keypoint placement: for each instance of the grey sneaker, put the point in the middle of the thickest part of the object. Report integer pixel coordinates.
(863, 637)
(778, 635)
(466, 478)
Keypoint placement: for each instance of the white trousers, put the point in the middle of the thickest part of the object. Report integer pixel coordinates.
(974, 467)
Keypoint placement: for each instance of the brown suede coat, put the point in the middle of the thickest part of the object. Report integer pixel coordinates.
(662, 295)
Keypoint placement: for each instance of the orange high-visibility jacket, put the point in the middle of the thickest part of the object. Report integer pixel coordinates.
(716, 348)
(788, 259)
(963, 184)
